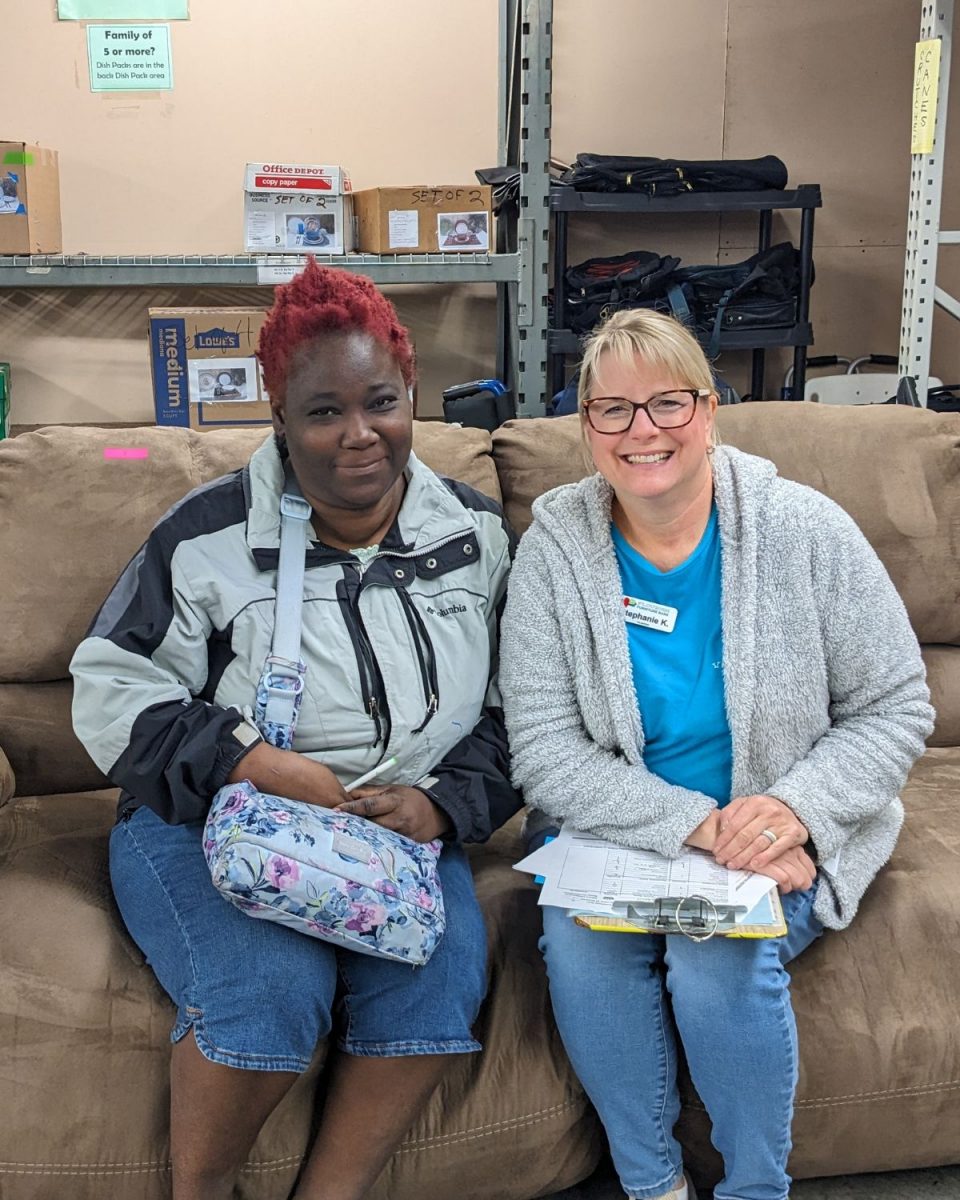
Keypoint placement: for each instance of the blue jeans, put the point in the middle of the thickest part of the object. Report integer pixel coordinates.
(729, 1001)
(260, 996)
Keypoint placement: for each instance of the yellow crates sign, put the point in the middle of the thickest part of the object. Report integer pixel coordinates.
(926, 78)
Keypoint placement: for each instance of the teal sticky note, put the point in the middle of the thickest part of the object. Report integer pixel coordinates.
(129, 58)
(122, 10)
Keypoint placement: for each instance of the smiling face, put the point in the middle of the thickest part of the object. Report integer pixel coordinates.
(646, 464)
(347, 420)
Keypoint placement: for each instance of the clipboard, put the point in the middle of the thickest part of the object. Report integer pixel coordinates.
(695, 917)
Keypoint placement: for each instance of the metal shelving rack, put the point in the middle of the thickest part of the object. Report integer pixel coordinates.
(519, 272)
(243, 270)
(806, 198)
(924, 235)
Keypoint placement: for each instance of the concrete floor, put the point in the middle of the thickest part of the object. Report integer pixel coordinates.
(941, 1183)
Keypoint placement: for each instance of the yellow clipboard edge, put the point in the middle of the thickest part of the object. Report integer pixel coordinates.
(604, 924)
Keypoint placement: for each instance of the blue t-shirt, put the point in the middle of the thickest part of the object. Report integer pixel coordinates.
(678, 671)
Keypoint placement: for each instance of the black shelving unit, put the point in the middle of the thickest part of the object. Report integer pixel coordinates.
(806, 198)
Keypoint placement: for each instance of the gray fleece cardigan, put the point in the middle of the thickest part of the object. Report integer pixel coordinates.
(825, 689)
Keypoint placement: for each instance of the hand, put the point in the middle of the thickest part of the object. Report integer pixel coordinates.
(406, 810)
(794, 870)
(741, 843)
(289, 774)
(705, 835)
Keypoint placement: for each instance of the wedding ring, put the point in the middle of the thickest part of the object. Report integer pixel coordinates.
(769, 834)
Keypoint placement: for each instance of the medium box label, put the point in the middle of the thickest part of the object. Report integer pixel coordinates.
(171, 393)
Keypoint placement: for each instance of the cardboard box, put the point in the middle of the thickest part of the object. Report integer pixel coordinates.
(29, 200)
(421, 220)
(291, 208)
(205, 375)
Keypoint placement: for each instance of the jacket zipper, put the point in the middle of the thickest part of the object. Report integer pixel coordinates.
(377, 706)
(366, 661)
(428, 666)
(372, 687)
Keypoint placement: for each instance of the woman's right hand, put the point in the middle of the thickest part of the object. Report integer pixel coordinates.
(289, 774)
(794, 870)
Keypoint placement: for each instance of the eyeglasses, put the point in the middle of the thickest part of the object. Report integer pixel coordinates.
(668, 410)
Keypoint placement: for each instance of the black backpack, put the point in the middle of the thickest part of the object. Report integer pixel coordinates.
(759, 293)
(600, 286)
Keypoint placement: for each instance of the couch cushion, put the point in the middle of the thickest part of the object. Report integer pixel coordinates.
(876, 1009)
(85, 1033)
(73, 519)
(36, 731)
(943, 676)
(896, 470)
(533, 456)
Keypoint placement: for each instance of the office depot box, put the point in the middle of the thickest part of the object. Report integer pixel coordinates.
(205, 374)
(290, 209)
(421, 220)
(29, 200)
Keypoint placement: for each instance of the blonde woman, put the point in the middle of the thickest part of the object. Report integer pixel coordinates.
(769, 716)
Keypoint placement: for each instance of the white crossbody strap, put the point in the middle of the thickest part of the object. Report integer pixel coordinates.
(284, 661)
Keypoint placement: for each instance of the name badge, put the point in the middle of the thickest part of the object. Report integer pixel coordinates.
(648, 614)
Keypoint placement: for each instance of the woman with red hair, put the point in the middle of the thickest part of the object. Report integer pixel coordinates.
(403, 583)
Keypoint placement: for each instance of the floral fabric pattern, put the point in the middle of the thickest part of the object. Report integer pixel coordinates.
(334, 876)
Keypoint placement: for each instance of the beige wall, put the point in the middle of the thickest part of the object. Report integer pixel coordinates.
(825, 85)
(398, 93)
(405, 93)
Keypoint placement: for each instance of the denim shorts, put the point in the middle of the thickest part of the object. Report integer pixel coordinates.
(260, 996)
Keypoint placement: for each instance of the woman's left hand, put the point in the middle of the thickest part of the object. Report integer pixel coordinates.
(742, 844)
(406, 810)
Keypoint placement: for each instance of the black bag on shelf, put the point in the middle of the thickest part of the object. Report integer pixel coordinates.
(505, 182)
(672, 176)
(759, 293)
(599, 286)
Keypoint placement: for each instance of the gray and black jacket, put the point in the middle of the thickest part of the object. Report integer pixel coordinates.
(401, 656)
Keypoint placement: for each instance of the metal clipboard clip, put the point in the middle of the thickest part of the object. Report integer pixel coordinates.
(696, 917)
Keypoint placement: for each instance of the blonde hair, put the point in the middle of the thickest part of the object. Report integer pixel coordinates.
(652, 336)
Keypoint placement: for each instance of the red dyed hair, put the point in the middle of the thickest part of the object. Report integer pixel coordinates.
(326, 300)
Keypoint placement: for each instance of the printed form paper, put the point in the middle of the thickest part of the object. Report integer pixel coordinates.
(583, 871)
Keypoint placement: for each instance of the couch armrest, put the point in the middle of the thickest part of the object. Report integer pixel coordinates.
(8, 783)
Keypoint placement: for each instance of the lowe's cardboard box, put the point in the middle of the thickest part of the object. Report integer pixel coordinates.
(421, 220)
(29, 200)
(205, 374)
(291, 208)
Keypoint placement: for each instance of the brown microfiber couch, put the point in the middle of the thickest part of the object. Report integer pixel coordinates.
(84, 1027)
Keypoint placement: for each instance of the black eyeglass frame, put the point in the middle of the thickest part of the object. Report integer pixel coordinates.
(694, 393)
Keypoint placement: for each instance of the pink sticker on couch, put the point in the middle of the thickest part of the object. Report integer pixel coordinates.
(126, 452)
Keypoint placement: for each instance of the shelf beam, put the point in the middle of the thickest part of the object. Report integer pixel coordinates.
(566, 199)
(245, 270)
(533, 225)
